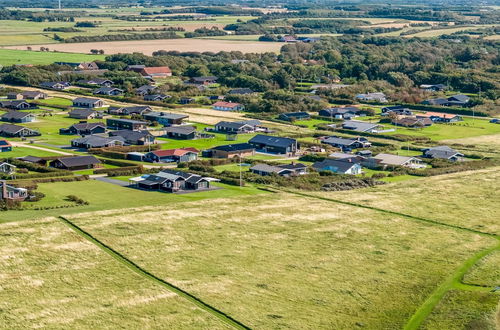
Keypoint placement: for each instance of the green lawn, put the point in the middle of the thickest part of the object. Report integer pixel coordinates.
(311, 122)
(25, 151)
(106, 196)
(202, 144)
(56, 101)
(11, 56)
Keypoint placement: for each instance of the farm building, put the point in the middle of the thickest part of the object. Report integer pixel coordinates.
(18, 117)
(172, 155)
(76, 163)
(274, 144)
(165, 118)
(5, 146)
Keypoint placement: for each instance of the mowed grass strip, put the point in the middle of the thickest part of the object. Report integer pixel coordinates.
(486, 272)
(13, 56)
(52, 278)
(283, 261)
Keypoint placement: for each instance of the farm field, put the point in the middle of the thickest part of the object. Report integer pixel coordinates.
(147, 47)
(439, 32)
(11, 56)
(343, 248)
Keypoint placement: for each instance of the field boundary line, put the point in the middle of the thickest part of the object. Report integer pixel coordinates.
(141, 271)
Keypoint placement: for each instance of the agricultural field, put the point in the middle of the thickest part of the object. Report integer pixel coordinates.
(11, 56)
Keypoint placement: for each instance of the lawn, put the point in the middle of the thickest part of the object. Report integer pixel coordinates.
(285, 261)
(486, 272)
(202, 144)
(12, 56)
(25, 151)
(56, 101)
(106, 196)
(467, 128)
(311, 122)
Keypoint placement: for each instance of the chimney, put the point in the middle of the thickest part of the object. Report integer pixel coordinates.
(4, 189)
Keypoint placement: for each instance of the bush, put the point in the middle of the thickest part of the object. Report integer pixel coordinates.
(76, 200)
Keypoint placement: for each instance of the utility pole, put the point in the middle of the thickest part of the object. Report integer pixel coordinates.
(59, 4)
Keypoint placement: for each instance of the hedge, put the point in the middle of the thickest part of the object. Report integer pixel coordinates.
(454, 110)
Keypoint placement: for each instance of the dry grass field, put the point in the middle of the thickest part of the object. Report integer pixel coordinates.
(285, 261)
(149, 46)
(464, 199)
(486, 272)
(52, 278)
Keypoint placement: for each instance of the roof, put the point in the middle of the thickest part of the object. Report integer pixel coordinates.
(124, 120)
(53, 83)
(335, 111)
(272, 141)
(251, 122)
(152, 97)
(295, 114)
(167, 115)
(87, 126)
(79, 161)
(32, 93)
(130, 135)
(226, 104)
(339, 165)
(157, 70)
(15, 115)
(137, 109)
(174, 152)
(31, 159)
(390, 159)
(241, 91)
(459, 98)
(231, 125)
(96, 140)
(339, 141)
(180, 129)
(11, 129)
(145, 88)
(86, 100)
(443, 152)
(106, 90)
(234, 147)
(81, 112)
(360, 126)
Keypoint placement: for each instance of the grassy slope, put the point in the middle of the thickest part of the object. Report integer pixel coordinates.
(486, 272)
(62, 281)
(283, 267)
(11, 56)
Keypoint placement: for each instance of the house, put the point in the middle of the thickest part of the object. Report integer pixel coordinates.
(133, 125)
(34, 160)
(228, 106)
(341, 113)
(241, 91)
(172, 155)
(232, 150)
(8, 192)
(156, 72)
(233, 127)
(7, 168)
(15, 105)
(433, 88)
(87, 102)
(347, 144)
(135, 67)
(97, 141)
(87, 66)
(287, 170)
(84, 128)
(5, 146)
(174, 181)
(186, 100)
(443, 152)
(440, 117)
(134, 137)
(411, 121)
(181, 132)
(155, 97)
(372, 97)
(14, 96)
(110, 91)
(96, 81)
(145, 89)
(126, 111)
(165, 118)
(75, 163)
(18, 117)
(57, 85)
(274, 144)
(10, 130)
(82, 114)
(339, 166)
(208, 80)
(34, 95)
(360, 126)
(397, 110)
(239, 61)
(288, 38)
(396, 160)
(293, 116)
(458, 100)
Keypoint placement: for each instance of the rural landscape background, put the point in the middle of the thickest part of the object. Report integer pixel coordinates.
(380, 212)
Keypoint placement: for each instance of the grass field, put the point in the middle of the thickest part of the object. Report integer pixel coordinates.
(486, 272)
(202, 144)
(439, 32)
(24, 151)
(10, 57)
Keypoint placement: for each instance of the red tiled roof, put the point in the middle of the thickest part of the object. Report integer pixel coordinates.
(157, 69)
(174, 152)
(226, 104)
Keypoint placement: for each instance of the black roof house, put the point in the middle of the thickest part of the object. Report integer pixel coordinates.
(274, 144)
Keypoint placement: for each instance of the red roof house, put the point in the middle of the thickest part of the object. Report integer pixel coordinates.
(227, 106)
(156, 71)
